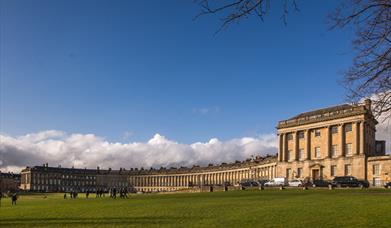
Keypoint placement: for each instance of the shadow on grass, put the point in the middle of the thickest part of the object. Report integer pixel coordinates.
(145, 220)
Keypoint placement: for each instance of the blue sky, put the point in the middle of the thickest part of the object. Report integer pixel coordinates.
(125, 70)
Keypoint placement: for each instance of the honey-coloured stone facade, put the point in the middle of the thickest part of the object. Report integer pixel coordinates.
(329, 142)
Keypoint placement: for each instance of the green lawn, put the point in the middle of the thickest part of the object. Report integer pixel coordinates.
(292, 207)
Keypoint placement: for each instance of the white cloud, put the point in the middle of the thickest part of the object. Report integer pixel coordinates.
(383, 128)
(88, 150)
(383, 132)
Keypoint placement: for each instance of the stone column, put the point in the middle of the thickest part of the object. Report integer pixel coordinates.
(280, 147)
(362, 137)
(284, 147)
(307, 148)
(328, 143)
(342, 139)
(356, 138)
(296, 145)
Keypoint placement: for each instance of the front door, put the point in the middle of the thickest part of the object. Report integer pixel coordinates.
(315, 174)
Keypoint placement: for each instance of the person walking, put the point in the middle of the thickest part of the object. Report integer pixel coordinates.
(14, 198)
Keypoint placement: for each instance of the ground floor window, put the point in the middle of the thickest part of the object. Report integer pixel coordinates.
(333, 170)
(288, 173)
(376, 181)
(299, 172)
(348, 170)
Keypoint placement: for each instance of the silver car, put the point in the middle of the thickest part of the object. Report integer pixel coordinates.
(295, 183)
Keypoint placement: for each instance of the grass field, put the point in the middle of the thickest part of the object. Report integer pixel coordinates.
(287, 208)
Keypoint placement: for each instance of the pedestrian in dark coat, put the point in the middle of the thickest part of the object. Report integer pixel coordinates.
(14, 198)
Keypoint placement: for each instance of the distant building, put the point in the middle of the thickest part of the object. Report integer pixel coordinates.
(321, 144)
(52, 179)
(9, 182)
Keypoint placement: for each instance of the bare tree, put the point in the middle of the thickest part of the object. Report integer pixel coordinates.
(370, 73)
(235, 10)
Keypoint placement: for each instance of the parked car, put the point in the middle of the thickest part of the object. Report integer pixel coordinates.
(295, 183)
(277, 181)
(320, 183)
(249, 183)
(387, 185)
(347, 181)
(364, 183)
(262, 182)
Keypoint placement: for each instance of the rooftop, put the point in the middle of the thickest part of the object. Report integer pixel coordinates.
(339, 111)
(162, 170)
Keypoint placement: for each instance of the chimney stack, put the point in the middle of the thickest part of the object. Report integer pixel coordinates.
(368, 104)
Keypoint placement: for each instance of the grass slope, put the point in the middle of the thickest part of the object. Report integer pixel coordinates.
(288, 208)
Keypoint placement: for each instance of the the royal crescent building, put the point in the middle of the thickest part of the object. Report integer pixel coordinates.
(321, 144)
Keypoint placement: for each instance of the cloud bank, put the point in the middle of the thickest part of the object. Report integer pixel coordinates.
(89, 150)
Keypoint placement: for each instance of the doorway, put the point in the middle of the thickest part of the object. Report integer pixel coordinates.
(315, 174)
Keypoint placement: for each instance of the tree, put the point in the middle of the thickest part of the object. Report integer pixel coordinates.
(370, 73)
(235, 10)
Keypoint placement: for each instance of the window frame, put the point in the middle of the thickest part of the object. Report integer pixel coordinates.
(377, 169)
(333, 170)
(317, 133)
(348, 169)
(348, 149)
(334, 129)
(334, 150)
(300, 134)
(316, 151)
(301, 153)
(348, 127)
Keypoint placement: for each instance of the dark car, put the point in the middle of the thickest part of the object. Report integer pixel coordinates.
(262, 182)
(249, 184)
(387, 185)
(364, 183)
(347, 181)
(320, 183)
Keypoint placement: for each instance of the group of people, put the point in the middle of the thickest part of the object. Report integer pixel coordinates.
(72, 194)
(100, 193)
(14, 198)
(123, 193)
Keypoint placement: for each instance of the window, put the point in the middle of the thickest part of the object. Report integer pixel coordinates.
(333, 170)
(348, 149)
(376, 181)
(299, 172)
(301, 134)
(317, 133)
(317, 152)
(348, 127)
(288, 173)
(334, 150)
(290, 136)
(301, 153)
(376, 169)
(348, 170)
(334, 130)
